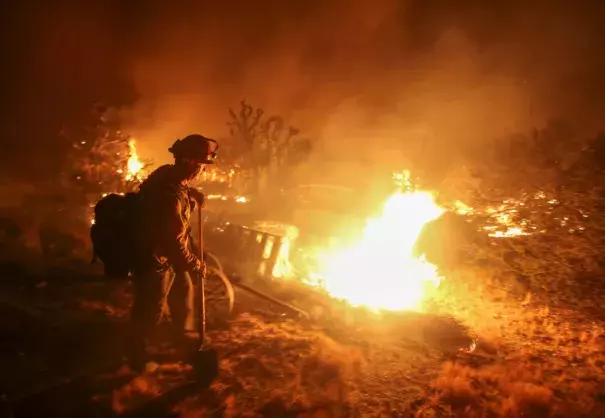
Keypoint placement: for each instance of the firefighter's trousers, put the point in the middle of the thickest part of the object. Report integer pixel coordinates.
(155, 294)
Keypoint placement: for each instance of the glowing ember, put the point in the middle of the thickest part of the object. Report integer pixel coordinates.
(134, 166)
(509, 232)
(224, 198)
(379, 271)
(217, 175)
(523, 216)
(505, 217)
(463, 209)
(216, 197)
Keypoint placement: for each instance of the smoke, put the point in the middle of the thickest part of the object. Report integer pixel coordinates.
(415, 82)
(300, 60)
(385, 83)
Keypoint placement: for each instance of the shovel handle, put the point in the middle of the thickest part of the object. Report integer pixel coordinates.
(201, 278)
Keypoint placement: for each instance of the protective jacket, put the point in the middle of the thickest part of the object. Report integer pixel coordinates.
(167, 208)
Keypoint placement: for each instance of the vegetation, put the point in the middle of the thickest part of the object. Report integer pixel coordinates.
(100, 154)
(535, 301)
(263, 147)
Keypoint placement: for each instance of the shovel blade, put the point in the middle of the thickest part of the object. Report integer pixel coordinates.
(205, 364)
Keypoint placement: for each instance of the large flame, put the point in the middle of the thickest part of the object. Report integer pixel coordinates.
(380, 271)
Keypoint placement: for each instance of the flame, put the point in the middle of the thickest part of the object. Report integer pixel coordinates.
(216, 197)
(462, 208)
(503, 216)
(287, 234)
(283, 267)
(505, 220)
(509, 232)
(380, 271)
(134, 166)
(133, 171)
(523, 216)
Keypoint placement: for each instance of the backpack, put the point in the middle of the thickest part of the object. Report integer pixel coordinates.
(114, 233)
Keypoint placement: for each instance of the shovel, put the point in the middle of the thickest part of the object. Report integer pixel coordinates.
(205, 361)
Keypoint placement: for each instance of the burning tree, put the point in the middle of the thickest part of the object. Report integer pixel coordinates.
(263, 147)
(104, 158)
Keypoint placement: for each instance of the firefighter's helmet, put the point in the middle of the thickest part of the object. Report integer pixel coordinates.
(195, 147)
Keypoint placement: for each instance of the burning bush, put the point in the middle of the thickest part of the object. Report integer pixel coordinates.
(533, 289)
(104, 158)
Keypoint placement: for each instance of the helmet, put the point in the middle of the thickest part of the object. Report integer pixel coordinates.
(195, 147)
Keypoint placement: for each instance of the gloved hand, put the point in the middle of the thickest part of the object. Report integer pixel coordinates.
(200, 268)
(197, 196)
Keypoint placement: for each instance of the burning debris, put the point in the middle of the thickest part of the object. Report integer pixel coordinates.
(216, 174)
(225, 198)
(288, 235)
(523, 216)
(378, 270)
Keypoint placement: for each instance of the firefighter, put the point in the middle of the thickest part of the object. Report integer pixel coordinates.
(164, 261)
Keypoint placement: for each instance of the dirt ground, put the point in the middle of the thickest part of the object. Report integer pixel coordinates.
(469, 356)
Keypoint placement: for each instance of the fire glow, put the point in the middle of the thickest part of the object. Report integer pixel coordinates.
(134, 170)
(380, 271)
(505, 220)
(134, 166)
